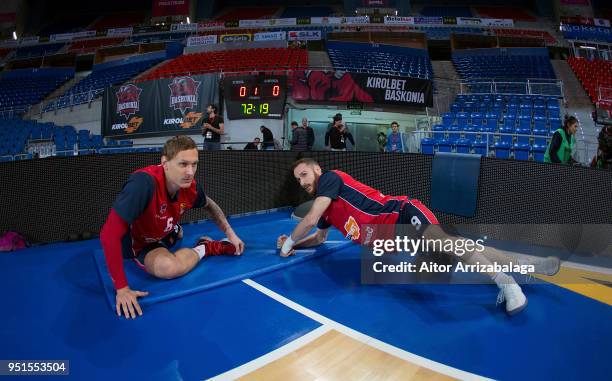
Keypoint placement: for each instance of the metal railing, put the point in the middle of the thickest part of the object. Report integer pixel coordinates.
(553, 87)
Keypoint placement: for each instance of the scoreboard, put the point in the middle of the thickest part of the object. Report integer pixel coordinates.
(255, 97)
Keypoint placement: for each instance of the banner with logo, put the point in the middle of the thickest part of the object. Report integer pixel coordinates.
(163, 8)
(270, 36)
(340, 20)
(304, 35)
(235, 37)
(161, 107)
(193, 27)
(120, 32)
(258, 23)
(359, 87)
(397, 20)
(202, 40)
(72, 36)
(211, 25)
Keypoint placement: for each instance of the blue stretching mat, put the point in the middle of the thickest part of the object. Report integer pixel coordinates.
(260, 257)
(454, 183)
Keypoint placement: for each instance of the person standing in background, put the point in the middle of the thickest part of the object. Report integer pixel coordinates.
(395, 140)
(212, 129)
(299, 138)
(562, 143)
(268, 138)
(310, 133)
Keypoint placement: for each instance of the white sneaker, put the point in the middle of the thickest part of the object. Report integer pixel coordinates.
(547, 266)
(516, 301)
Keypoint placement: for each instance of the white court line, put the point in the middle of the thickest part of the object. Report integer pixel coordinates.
(580, 266)
(380, 345)
(276, 354)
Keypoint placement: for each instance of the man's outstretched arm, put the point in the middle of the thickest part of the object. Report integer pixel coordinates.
(311, 219)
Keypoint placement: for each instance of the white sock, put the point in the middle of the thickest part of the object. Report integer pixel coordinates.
(502, 279)
(200, 250)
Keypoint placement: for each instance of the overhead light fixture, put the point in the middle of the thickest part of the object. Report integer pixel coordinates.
(587, 47)
(396, 12)
(14, 35)
(188, 22)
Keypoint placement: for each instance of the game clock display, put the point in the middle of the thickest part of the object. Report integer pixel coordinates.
(255, 97)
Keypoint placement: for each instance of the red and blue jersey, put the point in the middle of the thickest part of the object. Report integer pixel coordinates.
(355, 204)
(152, 213)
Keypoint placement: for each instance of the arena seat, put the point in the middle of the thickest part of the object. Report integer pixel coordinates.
(593, 74)
(384, 59)
(509, 32)
(94, 84)
(19, 89)
(90, 46)
(495, 64)
(38, 50)
(239, 60)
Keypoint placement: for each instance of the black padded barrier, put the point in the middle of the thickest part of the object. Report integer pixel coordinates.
(48, 199)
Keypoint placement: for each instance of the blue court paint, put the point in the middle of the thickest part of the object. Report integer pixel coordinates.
(561, 335)
(260, 257)
(54, 308)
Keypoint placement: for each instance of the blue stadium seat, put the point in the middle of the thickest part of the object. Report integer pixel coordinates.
(538, 152)
(502, 150)
(521, 151)
(463, 145)
(448, 118)
(445, 145)
(480, 147)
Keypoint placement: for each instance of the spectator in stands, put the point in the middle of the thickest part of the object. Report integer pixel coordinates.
(337, 117)
(603, 159)
(254, 145)
(143, 224)
(395, 140)
(268, 138)
(299, 138)
(310, 133)
(338, 134)
(212, 129)
(562, 143)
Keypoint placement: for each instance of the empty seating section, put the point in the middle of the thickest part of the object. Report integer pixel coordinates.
(20, 89)
(517, 124)
(511, 63)
(436, 11)
(240, 60)
(158, 37)
(385, 59)
(94, 84)
(444, 33)
(526, 33)
(17, 134)
(515, 14)
(247, 13)
(593, 75)
(121, 20)
(314, 11)
(90, 46)
(38, 50)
